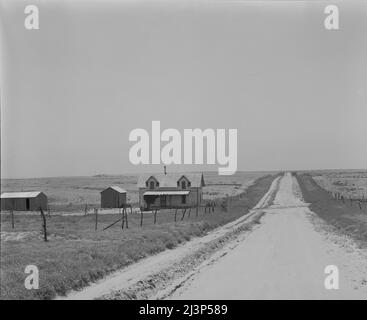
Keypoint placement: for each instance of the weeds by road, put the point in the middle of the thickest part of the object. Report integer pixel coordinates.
(345, 216)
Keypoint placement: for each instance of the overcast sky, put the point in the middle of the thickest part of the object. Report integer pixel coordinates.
(73, 90)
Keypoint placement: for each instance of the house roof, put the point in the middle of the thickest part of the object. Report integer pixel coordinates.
(170, 179)
(31, 194)
(116, 188)
(166, 193)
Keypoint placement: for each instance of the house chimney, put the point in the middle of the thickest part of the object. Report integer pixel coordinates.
(165, 170)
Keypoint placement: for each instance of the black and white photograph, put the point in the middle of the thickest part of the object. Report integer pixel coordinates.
(183, 150)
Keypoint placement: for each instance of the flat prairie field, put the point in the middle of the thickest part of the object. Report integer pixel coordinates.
(350, 183)
(77, 253)
(72, 194)
(347, 216)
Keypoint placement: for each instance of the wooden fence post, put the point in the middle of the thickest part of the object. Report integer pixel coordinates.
(96, 220)
(183, 213)
(155, 216)
(141, 217)
(12, 218)
(127, 221)
(122, 219)
(44, 225)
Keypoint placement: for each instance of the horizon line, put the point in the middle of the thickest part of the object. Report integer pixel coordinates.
(187, 171)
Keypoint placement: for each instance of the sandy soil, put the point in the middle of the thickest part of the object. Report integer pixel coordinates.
(283, 259)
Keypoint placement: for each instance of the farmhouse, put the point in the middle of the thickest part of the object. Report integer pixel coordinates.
(23, 201)
(170, 190)
(113, 197)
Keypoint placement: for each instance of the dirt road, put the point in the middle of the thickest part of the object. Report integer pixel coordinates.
(285, 258)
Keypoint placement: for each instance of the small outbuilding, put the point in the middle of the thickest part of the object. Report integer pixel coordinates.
(23, 201)
(113, 197)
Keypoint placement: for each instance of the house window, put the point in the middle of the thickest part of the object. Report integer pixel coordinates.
(189, 184)
(183, 200)
(151, 184)
(183, 184)
(146, 184)
(157, 184)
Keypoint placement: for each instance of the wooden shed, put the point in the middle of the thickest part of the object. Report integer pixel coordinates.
(113, 197)
(23, 201)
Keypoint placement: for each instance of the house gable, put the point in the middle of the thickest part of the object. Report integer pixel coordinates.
(170, 180)
(114, 189)
(183, 182)
(152, 183)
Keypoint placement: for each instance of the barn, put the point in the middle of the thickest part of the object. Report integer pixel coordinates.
(23, 201)
(113, 197)
(170, 190)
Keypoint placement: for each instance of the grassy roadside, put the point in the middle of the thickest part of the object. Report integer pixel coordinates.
(345, 216)
(76, 254)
